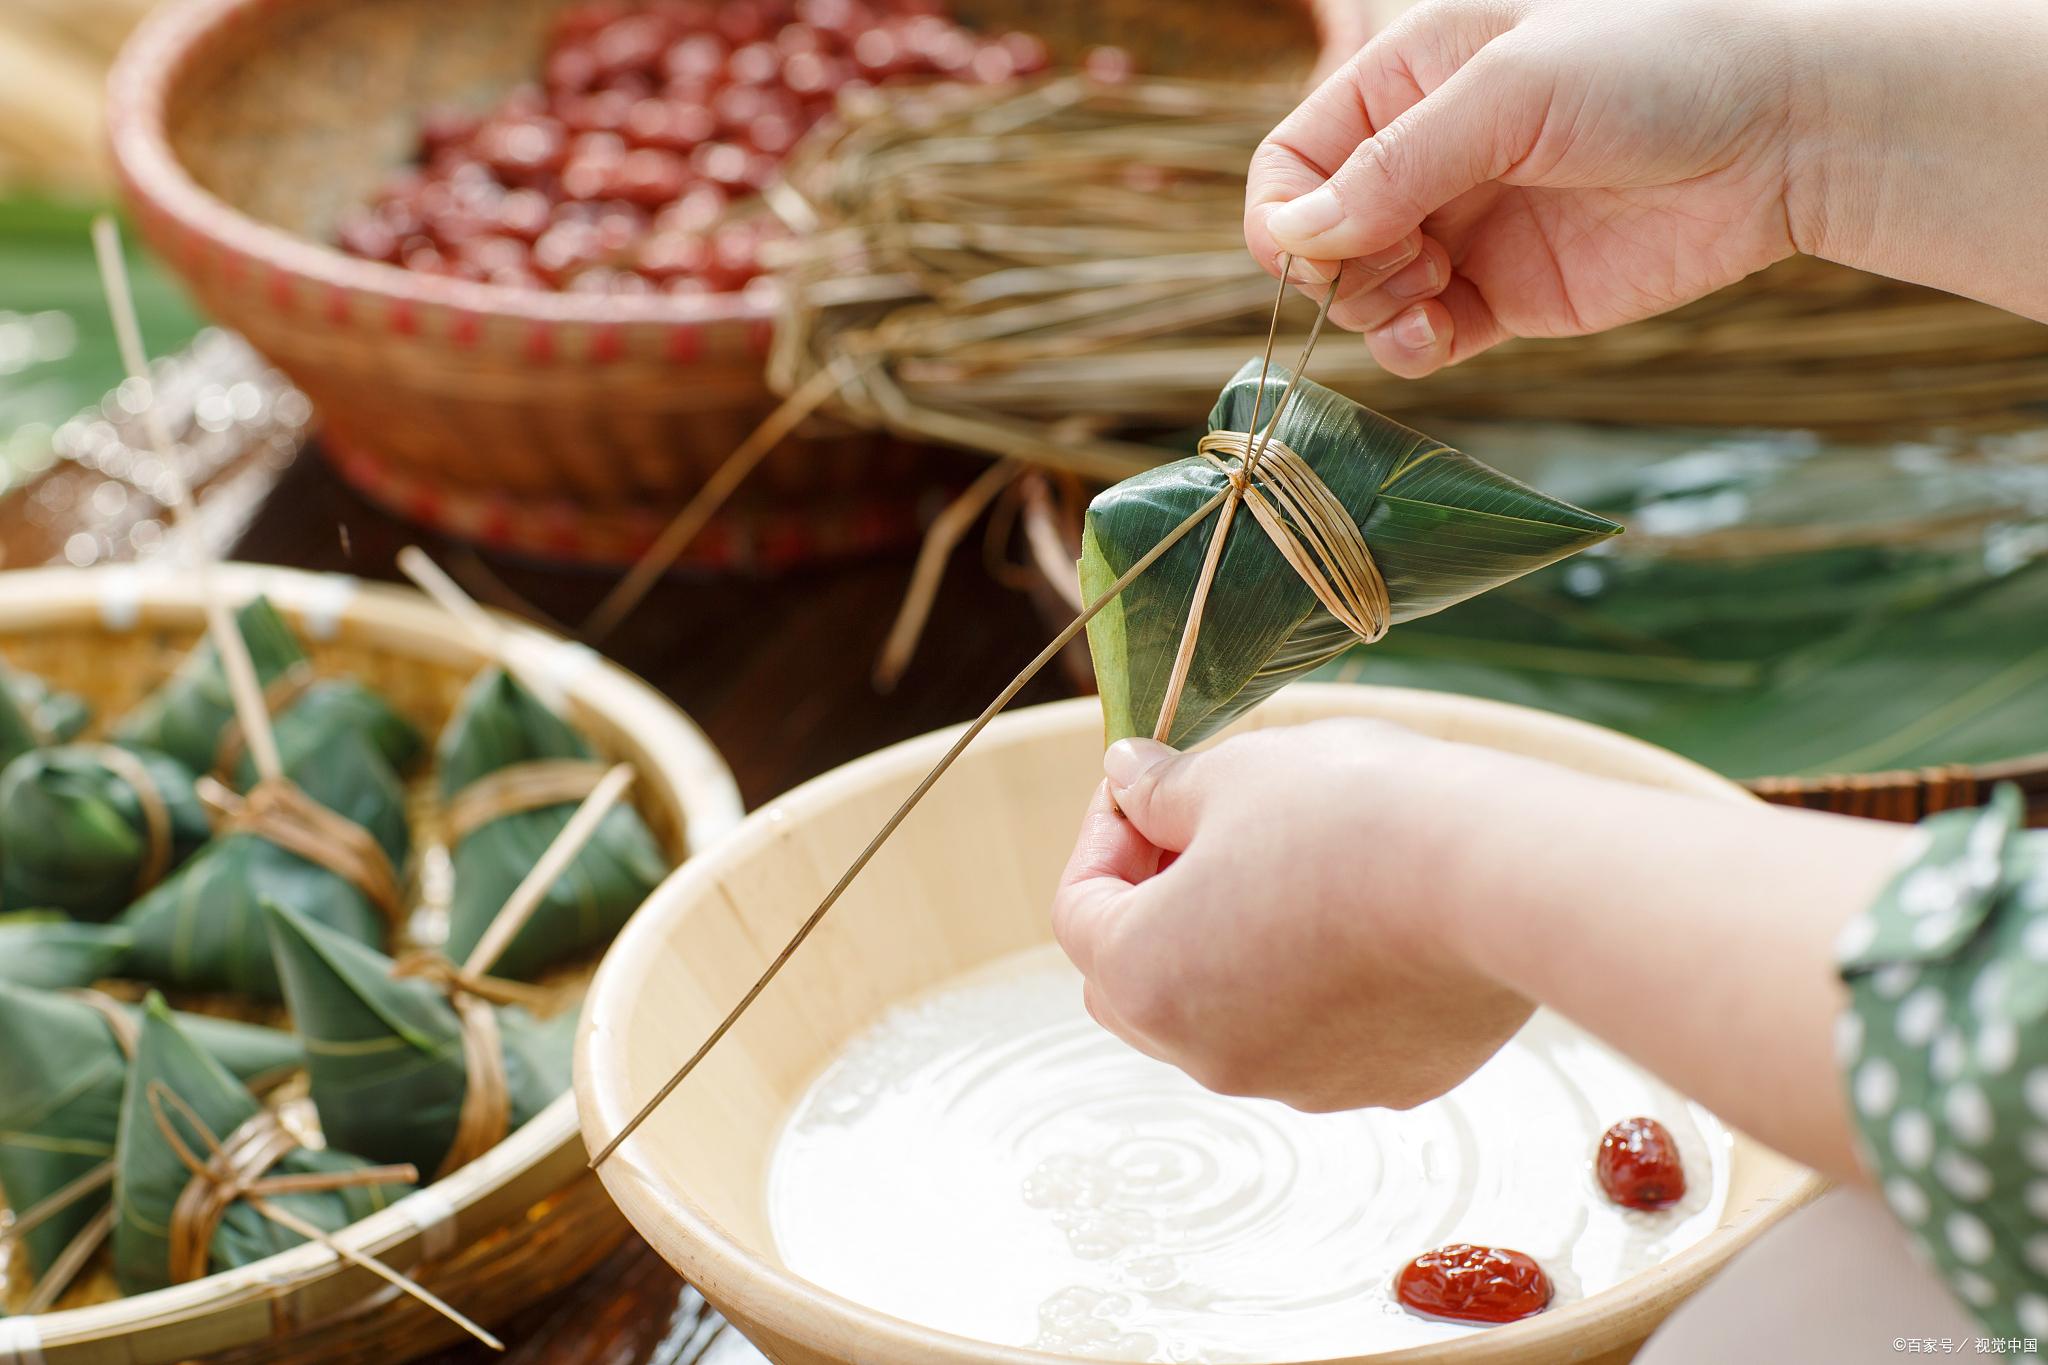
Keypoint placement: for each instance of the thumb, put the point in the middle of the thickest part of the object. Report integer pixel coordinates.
(1470, 130)
(1158, 789)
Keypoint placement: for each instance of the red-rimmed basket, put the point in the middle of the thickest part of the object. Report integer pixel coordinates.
(560, 425)
(567, 426)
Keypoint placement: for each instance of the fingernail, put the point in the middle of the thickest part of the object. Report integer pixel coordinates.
(1299, 219)
(1418, 281)
(1414, 331)
(1399, 254)
(1130, 759)
(1305, 271)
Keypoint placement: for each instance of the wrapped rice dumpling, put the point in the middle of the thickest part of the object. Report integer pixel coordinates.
(32, 715)
(42, 948)
(191, 717)
(500, 735)
(62, 1074)
(185, 716)
(86, 828)
(1437, 527)
(331, 709)
(202, 927)
(386, 1054)
(150, 1174)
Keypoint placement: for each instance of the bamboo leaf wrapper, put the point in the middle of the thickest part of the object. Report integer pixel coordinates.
(149, 1175)
(1440, 525)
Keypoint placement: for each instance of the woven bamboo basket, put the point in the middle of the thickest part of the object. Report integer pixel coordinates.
(520, 1221)
(966, 880)
(564, 426)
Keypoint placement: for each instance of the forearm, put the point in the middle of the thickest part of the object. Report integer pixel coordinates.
(1695, 936)
(1919, 143)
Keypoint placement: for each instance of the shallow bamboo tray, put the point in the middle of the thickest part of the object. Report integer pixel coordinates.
(967, 879)
(513, 1225)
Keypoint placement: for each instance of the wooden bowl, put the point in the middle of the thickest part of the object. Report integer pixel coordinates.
(513, 1225)
(967, 878)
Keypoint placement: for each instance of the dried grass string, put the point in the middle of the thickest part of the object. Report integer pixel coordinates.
(947, 530)
(629, 592)
(233, 1171)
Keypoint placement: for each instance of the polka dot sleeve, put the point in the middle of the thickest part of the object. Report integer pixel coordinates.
(1945, 1054)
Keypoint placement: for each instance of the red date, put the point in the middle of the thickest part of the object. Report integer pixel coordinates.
(1467, 1283)
(1638, 1165)
(630, 160)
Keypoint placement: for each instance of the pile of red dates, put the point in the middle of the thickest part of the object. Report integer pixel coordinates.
(619, 171)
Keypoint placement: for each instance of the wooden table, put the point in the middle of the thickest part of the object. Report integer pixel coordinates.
(777, 673)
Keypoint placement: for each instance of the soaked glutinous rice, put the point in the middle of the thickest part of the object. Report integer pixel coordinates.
(988, 1161)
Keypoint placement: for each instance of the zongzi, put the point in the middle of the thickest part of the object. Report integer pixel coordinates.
(62, 1074)
(185, 716)
(86, 828)
(1371, 524)
(48, 950)
(177, 1090)
(513, 772)
(394, 1061)
(33, 715)
(202, 927)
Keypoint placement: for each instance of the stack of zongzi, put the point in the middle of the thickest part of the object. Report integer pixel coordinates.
(164, 857)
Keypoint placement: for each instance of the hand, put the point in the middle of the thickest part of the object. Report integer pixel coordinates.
(1501, 168)
(1348, 914)
(1261, 915)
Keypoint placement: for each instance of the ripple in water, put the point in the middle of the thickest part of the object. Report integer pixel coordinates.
(988, 1161)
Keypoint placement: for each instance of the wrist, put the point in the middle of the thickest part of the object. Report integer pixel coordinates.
(1913, 132)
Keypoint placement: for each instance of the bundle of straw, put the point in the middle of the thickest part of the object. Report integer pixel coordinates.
(1039, 274)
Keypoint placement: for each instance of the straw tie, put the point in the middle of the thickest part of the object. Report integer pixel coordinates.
(518, 787)
(278, 811)
(283, 690)
(232, 1171)
(486, 1114)
(156, 812)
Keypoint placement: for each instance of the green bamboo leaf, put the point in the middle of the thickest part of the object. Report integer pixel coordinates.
(60, 1098)
(385, 1054)
(184, 717)
(202, 927)
(149, 1177)
(32, 714)
(47, 950)
(497, 724)
(73, 835)
(1441, 526)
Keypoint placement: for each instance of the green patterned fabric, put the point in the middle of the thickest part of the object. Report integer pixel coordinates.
(1944, 1051)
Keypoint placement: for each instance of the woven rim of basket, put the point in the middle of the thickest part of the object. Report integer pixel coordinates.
(152, 63)
(538, 1159)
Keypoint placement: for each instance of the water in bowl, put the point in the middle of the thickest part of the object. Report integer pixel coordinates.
(987, 1161)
